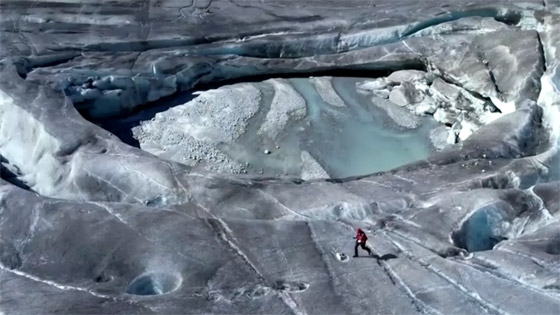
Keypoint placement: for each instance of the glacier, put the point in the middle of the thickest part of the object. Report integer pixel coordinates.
(212, 156)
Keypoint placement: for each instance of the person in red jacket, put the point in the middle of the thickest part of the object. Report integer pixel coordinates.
(361, 239)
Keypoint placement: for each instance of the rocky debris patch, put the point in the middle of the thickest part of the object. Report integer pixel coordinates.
(190, 133)
(287, 106)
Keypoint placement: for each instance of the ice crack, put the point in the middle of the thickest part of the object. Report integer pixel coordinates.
(54, 284)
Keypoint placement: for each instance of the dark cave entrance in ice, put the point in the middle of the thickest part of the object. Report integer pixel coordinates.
(482, 230)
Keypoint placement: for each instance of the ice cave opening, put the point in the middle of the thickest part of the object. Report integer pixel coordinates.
(485, 228)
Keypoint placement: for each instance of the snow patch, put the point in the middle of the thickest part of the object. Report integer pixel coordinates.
(504, 107)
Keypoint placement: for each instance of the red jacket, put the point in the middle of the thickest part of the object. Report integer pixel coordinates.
(361, 236)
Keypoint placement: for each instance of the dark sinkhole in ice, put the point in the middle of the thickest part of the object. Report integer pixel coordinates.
(101, 278)
(355, 138)
(155, 283)
(482, 230)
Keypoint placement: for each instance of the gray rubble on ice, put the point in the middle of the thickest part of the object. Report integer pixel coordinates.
(190, 132)
(124, 124)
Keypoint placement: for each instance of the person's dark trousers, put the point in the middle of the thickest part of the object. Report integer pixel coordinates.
(363, 245)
